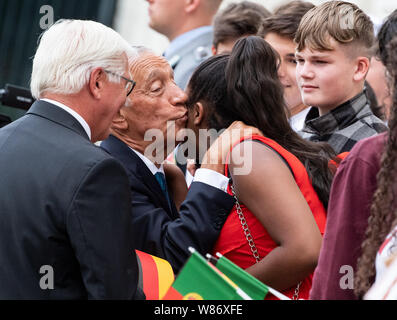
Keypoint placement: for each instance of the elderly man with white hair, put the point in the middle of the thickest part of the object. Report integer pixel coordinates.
(65, 230)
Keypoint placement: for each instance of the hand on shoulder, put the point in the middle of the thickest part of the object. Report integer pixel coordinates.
(216, 156)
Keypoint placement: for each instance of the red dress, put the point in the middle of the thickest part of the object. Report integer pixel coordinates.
(232, 242)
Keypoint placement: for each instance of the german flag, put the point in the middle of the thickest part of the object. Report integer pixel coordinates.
(155, 275)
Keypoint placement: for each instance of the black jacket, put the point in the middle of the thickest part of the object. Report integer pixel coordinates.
(64, 203)
(162, 231)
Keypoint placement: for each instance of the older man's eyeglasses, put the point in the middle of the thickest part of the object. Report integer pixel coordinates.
(130, 84)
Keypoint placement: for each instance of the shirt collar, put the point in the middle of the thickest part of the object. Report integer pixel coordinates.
(180, 41)
(338, 118)
(297, 121)
(153, 169)
(73, 113)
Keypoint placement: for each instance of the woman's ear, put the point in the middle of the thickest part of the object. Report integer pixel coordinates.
(119, 122)
(199, 114)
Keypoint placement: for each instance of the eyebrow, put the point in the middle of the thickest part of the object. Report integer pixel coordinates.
(325, 56)
(158, 74)
(319, 57)
(154, 74)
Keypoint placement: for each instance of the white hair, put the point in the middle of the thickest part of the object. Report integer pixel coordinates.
(70, 50)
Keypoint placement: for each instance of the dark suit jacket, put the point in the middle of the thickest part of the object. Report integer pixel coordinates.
(164, 232)
(64, 203)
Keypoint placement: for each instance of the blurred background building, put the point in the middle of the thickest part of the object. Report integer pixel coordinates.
(20, 28)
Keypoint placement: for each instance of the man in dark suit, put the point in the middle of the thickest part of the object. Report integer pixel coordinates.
(65, 204)
(155, 109)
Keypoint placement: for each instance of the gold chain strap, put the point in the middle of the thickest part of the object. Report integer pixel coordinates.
(246, 230)
(250, 239)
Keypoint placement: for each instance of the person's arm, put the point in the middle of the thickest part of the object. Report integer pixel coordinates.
(202, 214)
(201, 218)
(270, 192)
(99, 226)
(216, 156)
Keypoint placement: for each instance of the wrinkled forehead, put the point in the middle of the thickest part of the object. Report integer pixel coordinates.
(149, 66)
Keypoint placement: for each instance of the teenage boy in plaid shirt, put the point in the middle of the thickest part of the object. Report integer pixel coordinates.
(333, 57)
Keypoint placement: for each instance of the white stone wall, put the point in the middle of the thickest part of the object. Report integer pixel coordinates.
(131, 18)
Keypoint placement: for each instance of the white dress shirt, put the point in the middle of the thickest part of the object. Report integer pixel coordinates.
(206, 176)
(151, 166)
(297, 121)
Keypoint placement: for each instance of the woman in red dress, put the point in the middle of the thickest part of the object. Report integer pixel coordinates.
(281, 181)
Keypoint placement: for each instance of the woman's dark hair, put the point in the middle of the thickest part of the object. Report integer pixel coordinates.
(383, 215)
(385, 34)
(244, 86)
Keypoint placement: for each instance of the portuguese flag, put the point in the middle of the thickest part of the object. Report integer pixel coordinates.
(256, 289)
(200, 280)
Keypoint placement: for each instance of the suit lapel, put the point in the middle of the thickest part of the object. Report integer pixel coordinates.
(133, 164)
(150, 181)
(55, 114)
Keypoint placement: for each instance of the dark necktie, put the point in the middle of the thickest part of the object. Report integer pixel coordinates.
(163, 185)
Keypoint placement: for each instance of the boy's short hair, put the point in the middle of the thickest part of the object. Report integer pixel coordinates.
(237, 20)
(285, 20)
(343, 21)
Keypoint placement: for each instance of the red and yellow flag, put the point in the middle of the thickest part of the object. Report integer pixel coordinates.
(155, 275)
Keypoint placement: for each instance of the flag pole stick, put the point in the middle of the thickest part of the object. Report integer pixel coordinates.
(211, 259)
(277, 294)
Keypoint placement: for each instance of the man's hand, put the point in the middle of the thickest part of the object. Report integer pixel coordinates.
(216, 156)
(191, 166)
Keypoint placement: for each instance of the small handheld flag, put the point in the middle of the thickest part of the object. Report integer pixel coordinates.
(200, 280)
(155, 275)
(252, 286)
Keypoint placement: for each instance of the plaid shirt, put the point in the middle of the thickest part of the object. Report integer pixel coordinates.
(343, 126)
